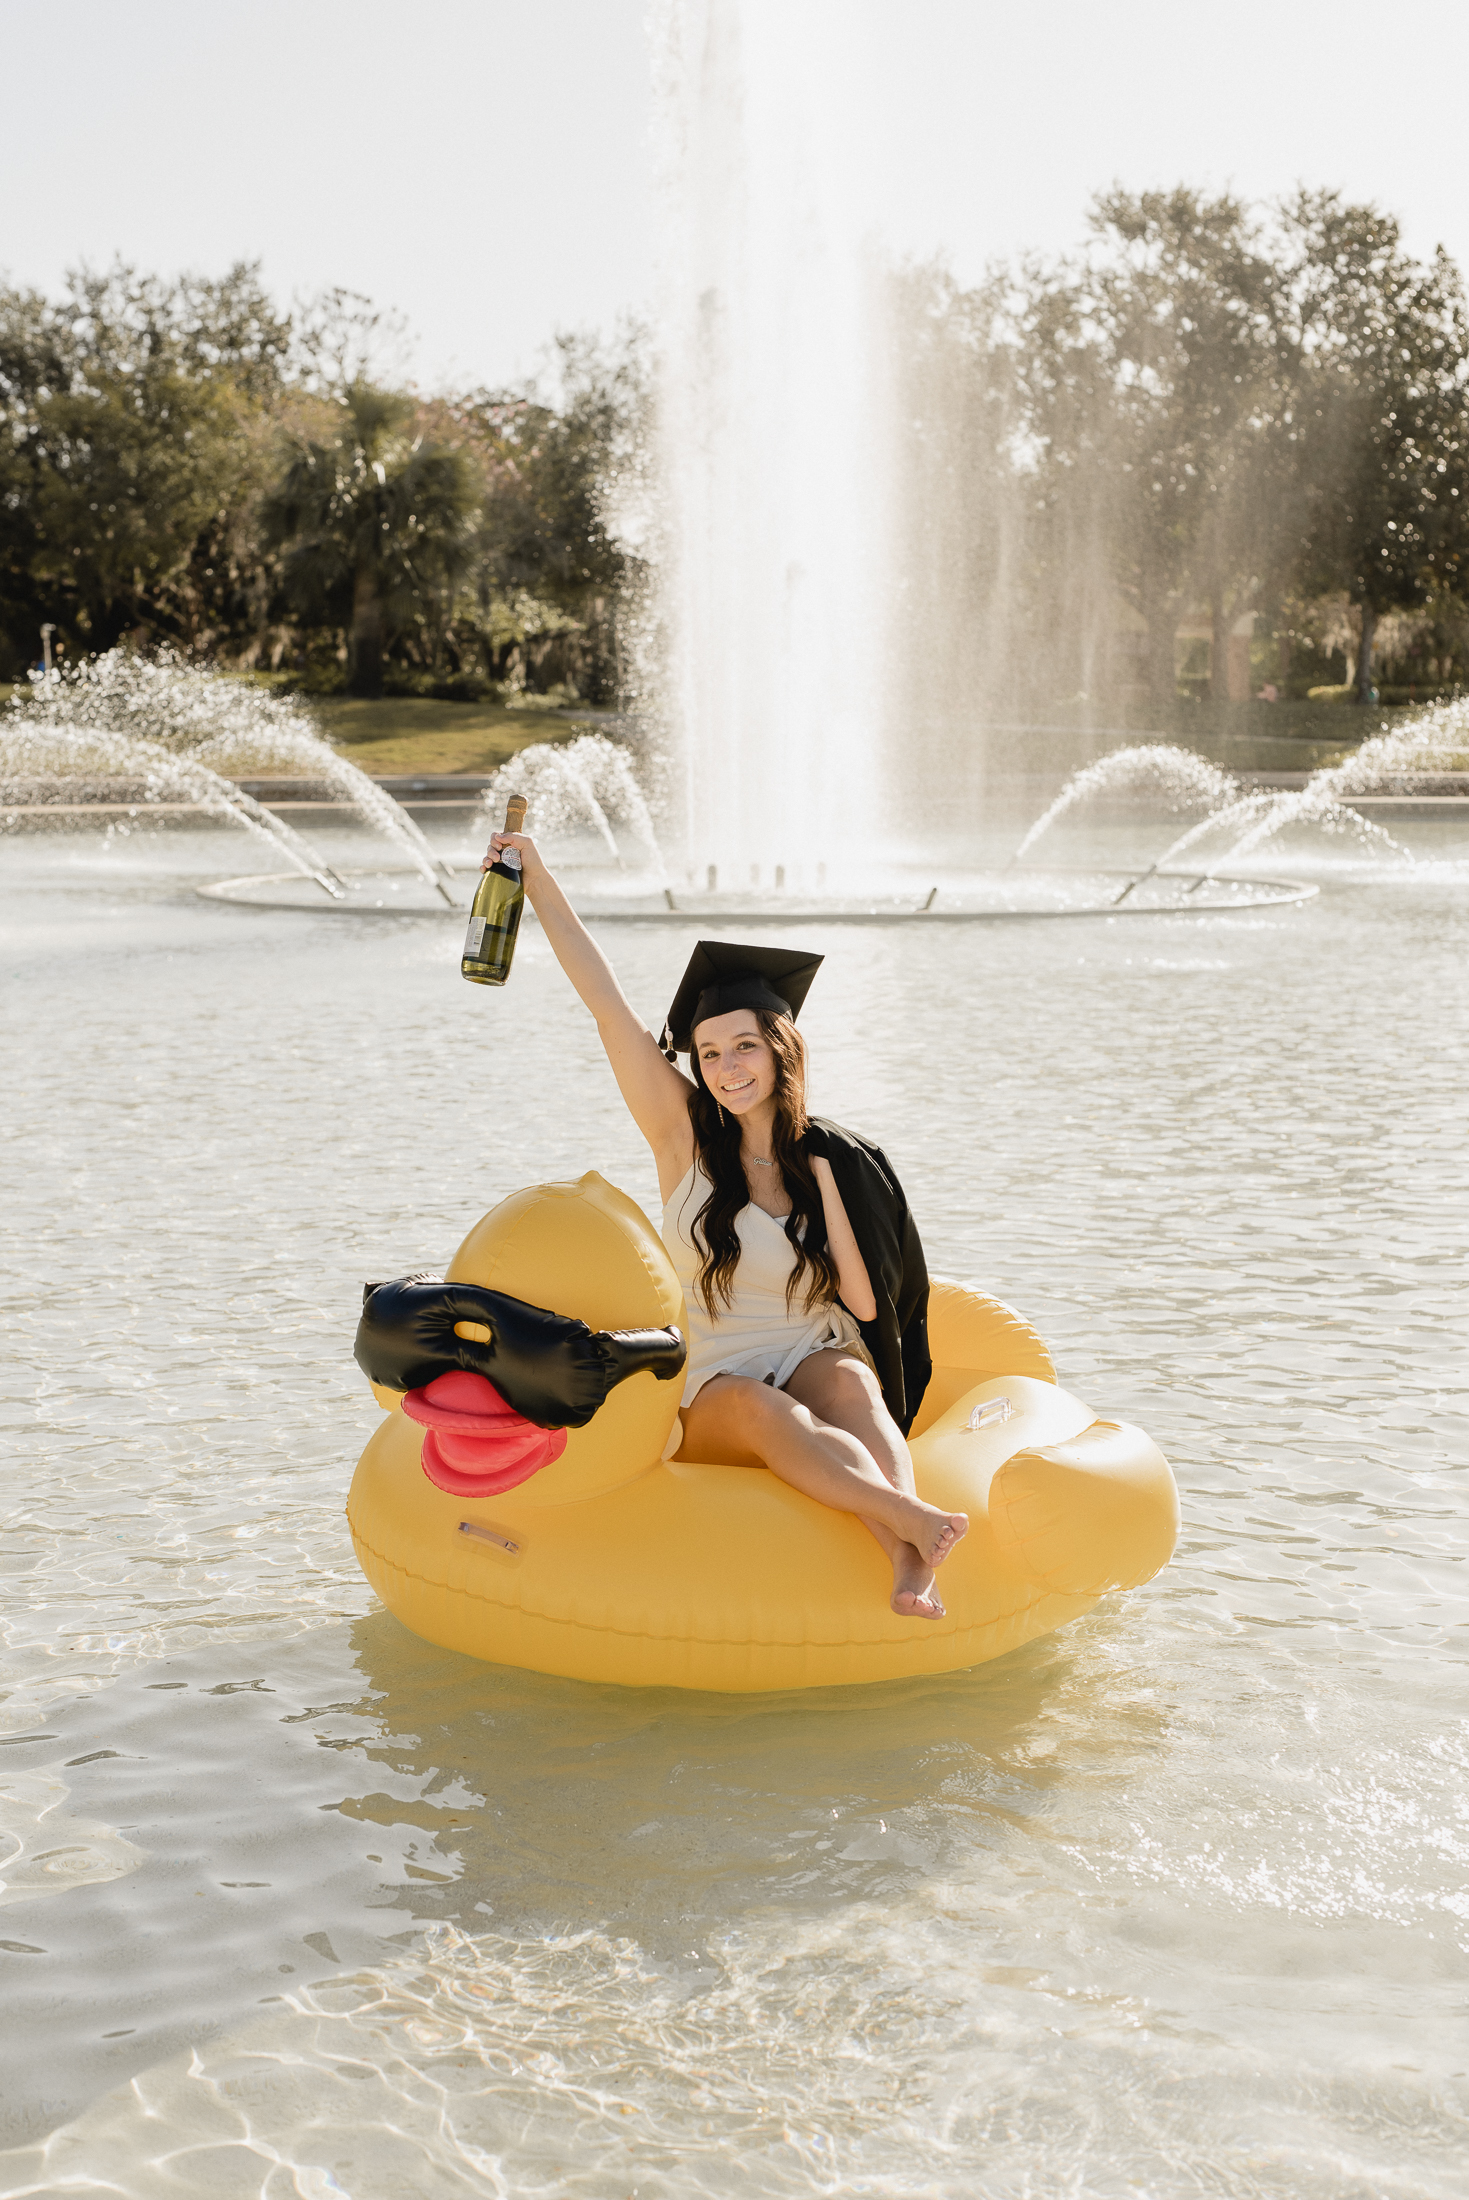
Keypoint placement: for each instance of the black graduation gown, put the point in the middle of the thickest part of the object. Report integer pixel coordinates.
(887, 1238)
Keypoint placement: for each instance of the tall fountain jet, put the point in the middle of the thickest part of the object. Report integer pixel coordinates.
(772, 451)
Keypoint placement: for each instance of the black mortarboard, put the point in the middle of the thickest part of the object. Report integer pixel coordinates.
(721, 977)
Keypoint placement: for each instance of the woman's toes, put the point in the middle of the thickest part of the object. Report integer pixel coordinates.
(954, 1527)
(917, 1604)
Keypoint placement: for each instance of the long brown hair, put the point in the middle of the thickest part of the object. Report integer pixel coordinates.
(717, 1151)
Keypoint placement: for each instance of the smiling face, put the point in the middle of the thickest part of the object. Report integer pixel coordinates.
(735, 1060)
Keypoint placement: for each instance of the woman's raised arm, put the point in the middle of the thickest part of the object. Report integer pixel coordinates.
(656, 1093)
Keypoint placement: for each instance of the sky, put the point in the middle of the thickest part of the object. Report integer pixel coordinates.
(484, 168)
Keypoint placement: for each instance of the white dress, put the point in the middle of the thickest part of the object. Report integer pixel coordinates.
(756, 1334)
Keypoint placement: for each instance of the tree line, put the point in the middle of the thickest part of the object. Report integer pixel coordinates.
(1212, 409)
(1251, 415)
(183, 463)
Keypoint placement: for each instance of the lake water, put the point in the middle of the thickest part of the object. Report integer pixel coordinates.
(1173, 1903)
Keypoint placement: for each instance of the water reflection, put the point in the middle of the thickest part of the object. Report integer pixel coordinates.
(631, 1942)
(663, 1813)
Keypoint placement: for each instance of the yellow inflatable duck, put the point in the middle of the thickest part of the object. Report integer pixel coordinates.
(611, 1564)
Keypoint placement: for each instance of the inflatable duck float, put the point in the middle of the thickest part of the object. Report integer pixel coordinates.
(533, 1520)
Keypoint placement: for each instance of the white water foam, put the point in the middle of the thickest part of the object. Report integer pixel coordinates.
(772, 462)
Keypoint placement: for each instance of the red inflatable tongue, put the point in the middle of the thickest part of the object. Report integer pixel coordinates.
(477, 1444)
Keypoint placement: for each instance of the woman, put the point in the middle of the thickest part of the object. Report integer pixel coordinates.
(774, 1277)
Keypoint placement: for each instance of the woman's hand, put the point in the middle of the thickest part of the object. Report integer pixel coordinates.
(656, 1093)
(532, 864)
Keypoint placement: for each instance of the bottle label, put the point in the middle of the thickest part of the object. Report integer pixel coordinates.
(510, 857)
(474, 938)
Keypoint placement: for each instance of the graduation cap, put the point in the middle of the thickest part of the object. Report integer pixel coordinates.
(721, 977)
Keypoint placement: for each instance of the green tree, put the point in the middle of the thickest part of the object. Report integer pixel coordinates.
(544, 542)
(129, 447)
(180, 462)
(965, 517)
(1383, 364)
(1149, 369)
(371, 518)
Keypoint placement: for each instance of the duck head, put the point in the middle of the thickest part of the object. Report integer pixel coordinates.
(563, 1303)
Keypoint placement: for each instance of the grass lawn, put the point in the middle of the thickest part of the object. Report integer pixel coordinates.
(415, 734)
(412, 733)
(402, 735)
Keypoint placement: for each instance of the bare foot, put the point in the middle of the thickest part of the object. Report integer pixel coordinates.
(914, 1595)
(932, 1533)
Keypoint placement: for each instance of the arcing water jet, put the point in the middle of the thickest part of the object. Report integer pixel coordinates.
(163, 720)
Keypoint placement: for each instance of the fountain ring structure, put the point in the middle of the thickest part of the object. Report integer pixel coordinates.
(984, 898)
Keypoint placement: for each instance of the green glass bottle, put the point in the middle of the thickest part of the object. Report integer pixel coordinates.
(489, 944)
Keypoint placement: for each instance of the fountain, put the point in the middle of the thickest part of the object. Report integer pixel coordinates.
(592, 816)
(158, 731)
(1242, 820)
(771, 458)
(589, 808)
(160, 734)
(781, 777)
(764, 782)
(584, 788)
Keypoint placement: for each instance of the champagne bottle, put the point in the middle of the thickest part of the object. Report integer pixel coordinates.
(489, 944)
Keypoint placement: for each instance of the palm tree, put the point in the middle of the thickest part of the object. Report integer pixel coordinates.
(371, 521)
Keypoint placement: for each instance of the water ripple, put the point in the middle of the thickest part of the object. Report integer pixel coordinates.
(1171, 1904)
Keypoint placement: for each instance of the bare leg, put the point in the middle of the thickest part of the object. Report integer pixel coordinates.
(842, 1390)
(747, 1423)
